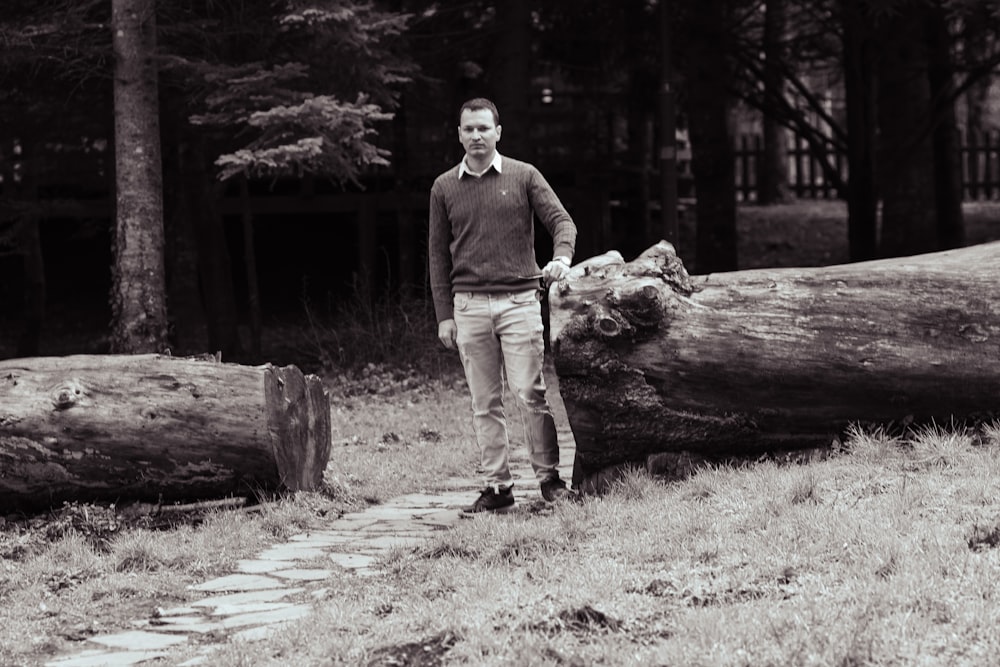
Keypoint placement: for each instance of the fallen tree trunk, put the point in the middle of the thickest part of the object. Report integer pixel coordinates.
(156, 428)
(654, 364)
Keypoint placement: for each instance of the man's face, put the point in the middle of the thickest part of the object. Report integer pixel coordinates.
(478, 133)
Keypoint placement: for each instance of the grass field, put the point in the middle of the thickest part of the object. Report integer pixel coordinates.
(885, 554)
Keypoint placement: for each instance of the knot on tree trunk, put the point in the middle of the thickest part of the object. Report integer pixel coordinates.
(614, 300)
(642, 308)
(67, 394)
(661, 262)
(607, 323)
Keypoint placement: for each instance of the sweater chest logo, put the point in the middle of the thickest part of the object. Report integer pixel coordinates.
(503, 193)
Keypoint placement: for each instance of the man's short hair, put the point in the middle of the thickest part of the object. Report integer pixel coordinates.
(478, 103)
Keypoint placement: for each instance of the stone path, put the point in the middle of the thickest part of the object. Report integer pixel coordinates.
(270, 590)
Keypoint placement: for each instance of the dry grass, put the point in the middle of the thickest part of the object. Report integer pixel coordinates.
(56, 592)
(873, 558)
(401, 441)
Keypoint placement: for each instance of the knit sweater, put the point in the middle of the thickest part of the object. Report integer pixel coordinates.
(482, 233)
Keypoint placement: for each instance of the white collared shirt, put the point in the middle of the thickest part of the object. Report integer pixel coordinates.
(463, 168)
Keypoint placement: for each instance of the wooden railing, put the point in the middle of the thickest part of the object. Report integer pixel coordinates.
(809, 167)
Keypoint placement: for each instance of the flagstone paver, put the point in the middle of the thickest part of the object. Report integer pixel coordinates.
(266, 592)
(268, 617)
(95, 658)
(148, 641)
(232, 609)
(239, 582)
(185, 624)
(304, 574)
(247, 597)
(260, 566)
(291, 551)
(173, 621)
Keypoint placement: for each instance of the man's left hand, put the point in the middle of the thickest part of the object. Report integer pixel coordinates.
(555, 270)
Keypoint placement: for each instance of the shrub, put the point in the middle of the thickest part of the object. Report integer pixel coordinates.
(395, 331)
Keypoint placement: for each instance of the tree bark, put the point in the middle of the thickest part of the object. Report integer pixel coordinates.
(151, 427)
(33, 259)
(652, 361)
(667, 112)
(713, 161)
(859, 94)
(188, 332)
(138, 299)
(34, 285)
(250, 265)
(215, 270)
(945, 137)
(906, 161)
(773, 170)
(512, 59)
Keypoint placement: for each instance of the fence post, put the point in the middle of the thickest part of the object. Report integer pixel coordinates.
(838, 164)
(987, 180)
(969, 166)
(814, 167)
(745, 168)
(759, 165)
(799, 168)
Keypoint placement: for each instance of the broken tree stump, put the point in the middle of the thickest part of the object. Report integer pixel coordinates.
(654, 364)
(156, 428)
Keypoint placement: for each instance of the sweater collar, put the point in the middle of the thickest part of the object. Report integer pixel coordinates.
(463, 168)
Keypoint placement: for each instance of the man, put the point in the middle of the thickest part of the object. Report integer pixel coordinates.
(485, 284)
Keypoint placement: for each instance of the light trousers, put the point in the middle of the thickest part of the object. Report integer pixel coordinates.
(500, 335)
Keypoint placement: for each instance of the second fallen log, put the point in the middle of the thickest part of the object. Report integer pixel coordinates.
(651, 360)
(150, 427)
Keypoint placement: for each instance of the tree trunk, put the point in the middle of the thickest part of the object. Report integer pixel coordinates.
(150, 427)
(33, 259)
(641, 90)
(773, 170)
(138, 299)
(406, 224)
(189, 333)
(859, 94)
(648, 232)
(250, 264)
(906, 160)
(713, 161)
(667, 111)
(34, 285)
(512, 60)
(215, 272)
(946, 142)
(653, 362)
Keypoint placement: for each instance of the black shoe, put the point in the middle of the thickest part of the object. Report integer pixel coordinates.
(554, 490)
(492, 499)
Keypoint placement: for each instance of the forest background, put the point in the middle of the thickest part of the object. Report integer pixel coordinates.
(180, 175)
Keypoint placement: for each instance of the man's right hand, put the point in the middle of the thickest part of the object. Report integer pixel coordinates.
(447, 333)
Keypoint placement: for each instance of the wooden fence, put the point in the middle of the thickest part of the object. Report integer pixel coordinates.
(981, 166)
(809, 179)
